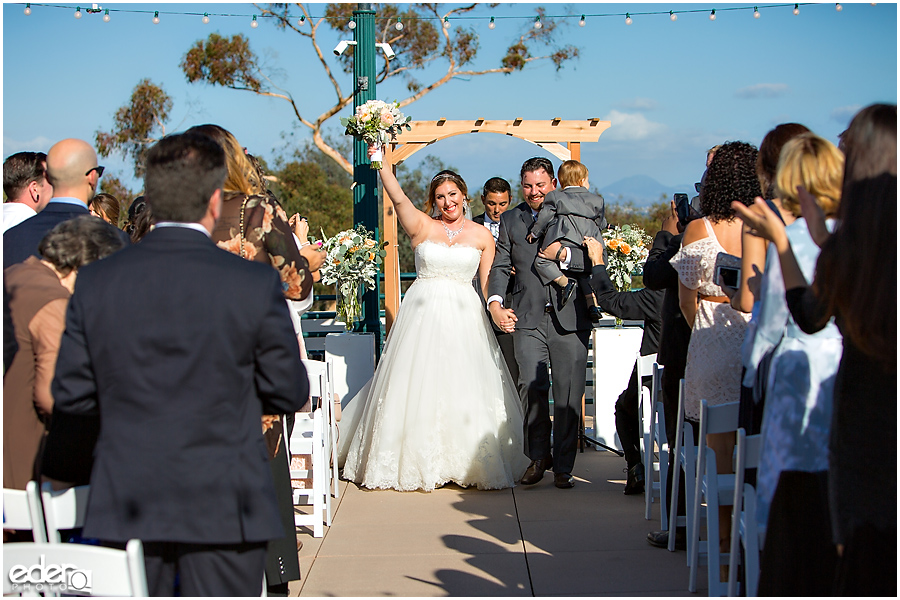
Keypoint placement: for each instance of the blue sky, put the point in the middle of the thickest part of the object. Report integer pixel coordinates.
(671, 89)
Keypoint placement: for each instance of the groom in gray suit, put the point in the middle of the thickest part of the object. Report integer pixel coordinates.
(545, 335)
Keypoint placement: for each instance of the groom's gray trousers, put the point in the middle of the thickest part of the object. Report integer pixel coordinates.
(534, 347)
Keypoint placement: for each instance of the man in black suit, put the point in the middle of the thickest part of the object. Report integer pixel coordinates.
(545, 335)
(180, 348)
(495, 195)
(73, 172)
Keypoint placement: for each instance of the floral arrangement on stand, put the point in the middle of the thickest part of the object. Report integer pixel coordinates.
(626, 252)
(376, 122)
(352, 260)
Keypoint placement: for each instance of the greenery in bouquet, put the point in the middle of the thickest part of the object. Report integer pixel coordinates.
(376, 122)
(626, 252)
(352, 259)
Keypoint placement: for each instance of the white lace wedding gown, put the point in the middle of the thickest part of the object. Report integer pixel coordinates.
(441, 406)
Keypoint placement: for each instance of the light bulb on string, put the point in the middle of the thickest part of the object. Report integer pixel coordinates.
(77, 12)
(581, 21)
(672, 16)
(838, 7)
(755, 12)
(446, 23)
(301, 20)
(254, 23)
(796, 9)
(205, 18)
(537, 23)
(399, 25)
(156, 17)
(351, 25)
(628, 20)
(27, 9)
(491, 25)
(106, 16)
(712, 15)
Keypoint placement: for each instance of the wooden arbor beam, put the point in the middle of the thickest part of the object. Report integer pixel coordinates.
(547, 134)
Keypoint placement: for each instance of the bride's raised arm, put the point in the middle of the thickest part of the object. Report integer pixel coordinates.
(414, 221)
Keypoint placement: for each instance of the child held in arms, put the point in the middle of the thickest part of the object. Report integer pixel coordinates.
(569, 214)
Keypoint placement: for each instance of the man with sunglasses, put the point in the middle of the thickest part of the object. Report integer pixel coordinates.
(73, 172)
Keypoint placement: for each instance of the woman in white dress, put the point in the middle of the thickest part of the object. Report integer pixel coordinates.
(441, 406)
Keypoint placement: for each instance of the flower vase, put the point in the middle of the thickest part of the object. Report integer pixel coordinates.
(349, 306)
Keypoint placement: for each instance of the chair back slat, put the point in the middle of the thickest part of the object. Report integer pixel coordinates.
(63, 509)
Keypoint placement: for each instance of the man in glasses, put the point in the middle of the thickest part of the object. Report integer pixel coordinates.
(73, 172)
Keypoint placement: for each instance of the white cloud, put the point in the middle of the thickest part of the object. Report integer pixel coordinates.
(631, 127)
(638, 104)
(763, 90)
(38, 144)
(845, 114)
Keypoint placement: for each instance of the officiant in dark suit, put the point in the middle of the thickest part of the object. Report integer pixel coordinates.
(180, 462)
(545, 335)
(496, 197)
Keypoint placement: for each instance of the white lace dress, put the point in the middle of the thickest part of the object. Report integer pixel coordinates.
(713, 370)
(441, 406)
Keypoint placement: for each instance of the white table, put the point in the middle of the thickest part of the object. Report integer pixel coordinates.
(613, 355)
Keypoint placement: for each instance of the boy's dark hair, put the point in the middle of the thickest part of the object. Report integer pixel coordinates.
(183, 172)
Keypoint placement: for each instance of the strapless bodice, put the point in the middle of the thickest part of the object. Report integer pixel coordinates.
(435, 260)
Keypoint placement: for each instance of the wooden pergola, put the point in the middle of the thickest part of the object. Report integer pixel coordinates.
(549, 135)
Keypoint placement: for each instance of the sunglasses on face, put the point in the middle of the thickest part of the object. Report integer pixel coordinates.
(99, 170)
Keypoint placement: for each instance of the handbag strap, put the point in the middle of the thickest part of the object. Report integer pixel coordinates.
(243, 206)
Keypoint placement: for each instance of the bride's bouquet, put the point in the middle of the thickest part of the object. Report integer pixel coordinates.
(626, 253)
(352, 260)
(376, 123)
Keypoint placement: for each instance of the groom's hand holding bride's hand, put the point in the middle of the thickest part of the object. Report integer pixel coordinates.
(504, 318)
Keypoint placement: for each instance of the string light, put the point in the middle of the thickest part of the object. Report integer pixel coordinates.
(205, 18)
(77, 12)
(351, 25)
(399, 25)
(628, 20)
(796, 9)
(491, 25)
(838, 7)
(537, 22)
(156, 17)
(712, 15)
(446, 23)
(755, 13)
(301, 20)
(672, 16)
(581, 21)
(27, 9)
(254, 23)
(106, 16)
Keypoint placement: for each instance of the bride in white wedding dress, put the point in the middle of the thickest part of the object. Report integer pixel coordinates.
(441, 406)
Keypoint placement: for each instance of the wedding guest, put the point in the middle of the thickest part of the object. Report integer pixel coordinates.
(39, 290)
(495, 196)
(713, 368)
(254, 226)
(181, 463)
(26, 187)
(107, 207)
(140, 219)
(856, 283)
(644, 305)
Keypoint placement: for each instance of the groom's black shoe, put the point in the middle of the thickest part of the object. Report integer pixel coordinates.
(563, 480)
(635, 482)
(567, 293)
(535, 471)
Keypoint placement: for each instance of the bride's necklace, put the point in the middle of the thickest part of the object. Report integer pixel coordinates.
(450, 233)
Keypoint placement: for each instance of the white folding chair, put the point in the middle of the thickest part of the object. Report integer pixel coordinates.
(744, 528)
(308, 438)
(63, 509)
(717, 490)
(685, 454)
(83, 569)
(321, 378)
(22, 511)
(656, 447)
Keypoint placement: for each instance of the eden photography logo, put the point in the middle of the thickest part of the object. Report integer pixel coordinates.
(50, 578)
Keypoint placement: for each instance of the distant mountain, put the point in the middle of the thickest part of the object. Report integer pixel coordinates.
(642, 190)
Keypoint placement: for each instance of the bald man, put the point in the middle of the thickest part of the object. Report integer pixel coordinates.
(73, 172)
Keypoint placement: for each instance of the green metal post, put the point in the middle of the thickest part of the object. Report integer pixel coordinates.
(365, 191)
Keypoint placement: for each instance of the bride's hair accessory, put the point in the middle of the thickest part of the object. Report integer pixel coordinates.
(437, 180)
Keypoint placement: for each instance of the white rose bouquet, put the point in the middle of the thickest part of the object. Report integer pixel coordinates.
(352, 258)
(626, 253)
(376, 123)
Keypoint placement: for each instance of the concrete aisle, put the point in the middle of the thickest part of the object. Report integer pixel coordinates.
(528, 541)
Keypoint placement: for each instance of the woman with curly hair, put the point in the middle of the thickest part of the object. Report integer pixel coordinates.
(713, 370)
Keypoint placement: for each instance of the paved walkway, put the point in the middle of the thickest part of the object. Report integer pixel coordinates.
(528, 541)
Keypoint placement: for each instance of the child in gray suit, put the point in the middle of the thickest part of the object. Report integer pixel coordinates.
(569, 214)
